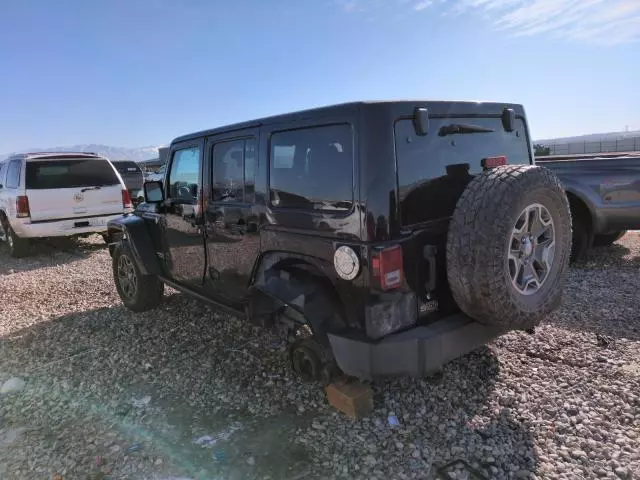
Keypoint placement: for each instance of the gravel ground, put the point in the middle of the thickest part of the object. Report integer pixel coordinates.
(185, 392)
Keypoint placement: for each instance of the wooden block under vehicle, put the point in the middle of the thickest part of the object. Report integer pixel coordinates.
(351, 398)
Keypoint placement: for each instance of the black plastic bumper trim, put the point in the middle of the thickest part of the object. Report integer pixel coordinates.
(415, 352)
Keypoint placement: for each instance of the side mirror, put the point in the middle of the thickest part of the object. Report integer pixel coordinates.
(153, 192)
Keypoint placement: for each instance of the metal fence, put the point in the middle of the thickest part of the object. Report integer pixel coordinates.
(628, 144)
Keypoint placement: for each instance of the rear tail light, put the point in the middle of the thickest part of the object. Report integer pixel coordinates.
(387, 267)
(22, 206)
(126, 199)
(493, 162)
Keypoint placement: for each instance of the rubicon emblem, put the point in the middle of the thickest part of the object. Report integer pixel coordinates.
(78, 197)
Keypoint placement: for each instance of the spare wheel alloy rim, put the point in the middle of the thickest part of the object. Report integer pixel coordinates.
(531, 249)
(127, 276)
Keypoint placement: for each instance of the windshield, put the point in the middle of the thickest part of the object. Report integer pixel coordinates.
(69, 174)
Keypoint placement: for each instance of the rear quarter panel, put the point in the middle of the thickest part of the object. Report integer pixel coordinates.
(609, 187)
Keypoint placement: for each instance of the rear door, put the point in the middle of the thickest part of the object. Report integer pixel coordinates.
(72, 188)
(231, 221)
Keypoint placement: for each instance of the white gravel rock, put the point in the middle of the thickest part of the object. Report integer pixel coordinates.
(13, 385)
(562, 403)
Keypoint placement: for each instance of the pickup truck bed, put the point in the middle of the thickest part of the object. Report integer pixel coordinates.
(603, 191)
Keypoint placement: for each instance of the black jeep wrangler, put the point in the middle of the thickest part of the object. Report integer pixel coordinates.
(385, 238)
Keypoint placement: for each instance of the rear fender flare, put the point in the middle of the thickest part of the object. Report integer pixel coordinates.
(585, 198)
(309, 275)
(132, 229)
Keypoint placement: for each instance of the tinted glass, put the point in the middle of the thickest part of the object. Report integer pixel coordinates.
(3, 172)
(228, 172)
(434, 170)
(127, 167)
(69, 174)
(13, 174)
(184, 175)
(312, 168)
(234, 167)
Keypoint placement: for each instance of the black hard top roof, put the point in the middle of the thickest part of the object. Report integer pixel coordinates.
(439, 108)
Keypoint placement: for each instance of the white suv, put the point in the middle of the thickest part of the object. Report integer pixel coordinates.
(57, 194)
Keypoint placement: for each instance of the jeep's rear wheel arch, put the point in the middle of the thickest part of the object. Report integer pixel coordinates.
(306, 271)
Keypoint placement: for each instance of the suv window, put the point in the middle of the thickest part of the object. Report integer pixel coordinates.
(234, 171)
(3, 171)
(312, 168)
(184, 175)
(13, 174)
(46, 174)
(434, 170)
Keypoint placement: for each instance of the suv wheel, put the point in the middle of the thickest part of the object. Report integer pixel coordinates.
(18, 247)
(582, 238)
(138, 292)
(508, 246)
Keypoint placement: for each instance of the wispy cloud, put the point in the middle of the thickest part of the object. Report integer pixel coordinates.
(604, 22)
(422, 5)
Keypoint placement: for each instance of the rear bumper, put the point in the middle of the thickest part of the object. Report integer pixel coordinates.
(415, 352)
(61, 228)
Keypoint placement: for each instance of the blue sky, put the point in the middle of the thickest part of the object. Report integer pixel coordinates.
(140, 72)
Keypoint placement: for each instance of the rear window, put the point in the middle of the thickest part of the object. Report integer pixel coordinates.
(312, 168)
(127, 167)
(434, 170)
(69, 174)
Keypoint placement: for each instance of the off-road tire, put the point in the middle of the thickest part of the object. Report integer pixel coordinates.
(149, 288)
(608, 239)
(18, 247)
(581, 238)
(479, 238)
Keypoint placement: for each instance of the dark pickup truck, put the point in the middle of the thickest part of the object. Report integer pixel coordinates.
(604, 195)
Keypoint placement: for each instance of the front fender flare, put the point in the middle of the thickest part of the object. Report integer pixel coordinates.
(133, 229)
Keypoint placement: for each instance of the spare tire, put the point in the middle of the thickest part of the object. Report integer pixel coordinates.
(508, 246)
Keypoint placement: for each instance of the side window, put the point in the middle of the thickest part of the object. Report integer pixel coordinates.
(184, 175)
(234, 171)
(312, 168)
(13, 174)
(3, 171)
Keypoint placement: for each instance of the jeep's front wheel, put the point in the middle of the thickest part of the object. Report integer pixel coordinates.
(138, 292)
(508, 246)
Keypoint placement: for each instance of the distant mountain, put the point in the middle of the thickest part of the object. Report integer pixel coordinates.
(112, 153)
(593, 137)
